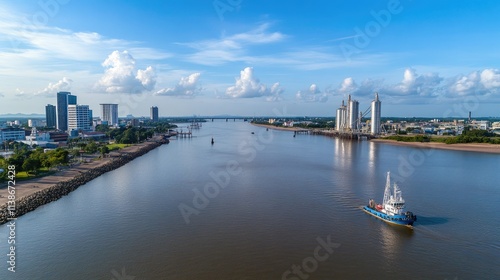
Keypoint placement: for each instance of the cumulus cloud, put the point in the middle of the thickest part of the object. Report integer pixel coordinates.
(275, 93)
(313, 94)
(62, 85)
(248, 86)
(482, 82)
(412, 84)
(187, 86)
(121, 75)
(367, 87)
(416, 85)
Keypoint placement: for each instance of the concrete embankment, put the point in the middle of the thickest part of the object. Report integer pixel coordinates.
(30, 202)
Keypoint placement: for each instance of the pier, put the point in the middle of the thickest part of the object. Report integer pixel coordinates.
(184, 134)
(301, 131)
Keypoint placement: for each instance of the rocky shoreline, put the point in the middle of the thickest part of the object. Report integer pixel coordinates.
(30, 202)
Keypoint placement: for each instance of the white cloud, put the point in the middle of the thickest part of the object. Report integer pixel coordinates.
(366, 88)
(62, 85)
(313, 94)
(490, 78)
(248, 86)
(187, 86)
(411, 85)
(43, 42)
(416, 85)
(121, 75)
(231, 48)
(348, 86)
(482, 82)
(275, 93)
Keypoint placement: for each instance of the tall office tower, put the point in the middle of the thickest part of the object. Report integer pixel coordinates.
(50, 115)
(353, 121)
(340, 120)
(91, 123)
(154, 113)
(62, 110)
(375, 121)
(78, 117)
(109, 113)
(72, 99)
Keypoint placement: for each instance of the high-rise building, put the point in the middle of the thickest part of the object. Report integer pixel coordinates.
(62, 110)
(91, 123)
(375, 121)
(78, 117)
(154, 113)
(109, 113)
(50, 115)
(72, 99)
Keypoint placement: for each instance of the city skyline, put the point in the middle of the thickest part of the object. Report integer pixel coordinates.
(252, 57)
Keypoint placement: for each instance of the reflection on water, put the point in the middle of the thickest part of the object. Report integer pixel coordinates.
(372, 157)
(393, 237)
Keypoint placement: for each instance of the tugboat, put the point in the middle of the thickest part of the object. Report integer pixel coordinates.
(392, 208)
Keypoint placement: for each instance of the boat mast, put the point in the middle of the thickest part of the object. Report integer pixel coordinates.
(387, 192)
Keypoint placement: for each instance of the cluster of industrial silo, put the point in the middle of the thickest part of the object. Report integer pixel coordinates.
(348, 117)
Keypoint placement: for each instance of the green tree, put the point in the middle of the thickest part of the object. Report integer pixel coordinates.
(75, 152)
(91, 147)
(31, 165)
(104, 150)
(128, 137)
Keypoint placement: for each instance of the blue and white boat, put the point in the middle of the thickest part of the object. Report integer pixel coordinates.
(392, 208)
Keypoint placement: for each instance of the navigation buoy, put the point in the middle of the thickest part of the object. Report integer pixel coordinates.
(213, 141)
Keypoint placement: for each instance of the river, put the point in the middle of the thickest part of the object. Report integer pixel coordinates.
(267, 205)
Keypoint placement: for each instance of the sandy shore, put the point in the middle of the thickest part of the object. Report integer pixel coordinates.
(270, 126)
(29, 187)
(470, 147)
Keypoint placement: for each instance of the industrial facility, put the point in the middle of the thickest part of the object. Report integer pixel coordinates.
(348, 118)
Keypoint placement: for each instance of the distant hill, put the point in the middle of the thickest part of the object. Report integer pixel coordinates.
(21, 116)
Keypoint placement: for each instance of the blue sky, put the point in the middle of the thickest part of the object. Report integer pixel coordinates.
(425, 58)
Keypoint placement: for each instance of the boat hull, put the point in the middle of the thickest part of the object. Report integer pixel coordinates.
(402, 220)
